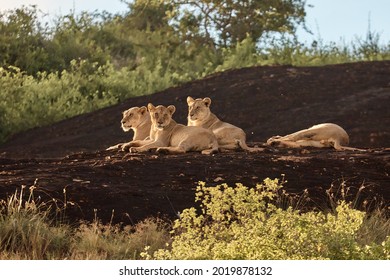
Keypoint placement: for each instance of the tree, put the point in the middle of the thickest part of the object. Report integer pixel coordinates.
(148, 15)
(231, 21)
(22, 40)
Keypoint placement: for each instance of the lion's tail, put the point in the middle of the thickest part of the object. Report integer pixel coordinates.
(242, 144)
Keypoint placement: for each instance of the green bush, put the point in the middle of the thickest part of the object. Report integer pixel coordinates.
(244, 54)
(246, 223)
(28, 102)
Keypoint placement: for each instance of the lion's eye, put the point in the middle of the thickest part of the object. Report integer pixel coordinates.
(131, 115)
(156, 115)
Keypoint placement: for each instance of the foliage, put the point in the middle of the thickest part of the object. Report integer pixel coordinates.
(232, 21)
(51, 97)
(22, 40)
(243, 55)
(246, 223)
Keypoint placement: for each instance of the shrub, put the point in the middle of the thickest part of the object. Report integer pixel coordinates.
(246, 223)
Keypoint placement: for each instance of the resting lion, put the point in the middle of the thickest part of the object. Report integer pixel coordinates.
(320, 136)
(137, 119)
(170, 137)
(229, 137)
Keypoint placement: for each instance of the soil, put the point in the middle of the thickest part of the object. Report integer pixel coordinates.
(67, 161)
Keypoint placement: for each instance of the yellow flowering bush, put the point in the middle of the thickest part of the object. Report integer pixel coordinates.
(246, 223)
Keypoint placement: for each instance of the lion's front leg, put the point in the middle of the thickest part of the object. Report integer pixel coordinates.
(147, 147)
(125, 147)
(115, 147)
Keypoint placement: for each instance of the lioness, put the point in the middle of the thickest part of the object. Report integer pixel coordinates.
(229, 137)
(320, 136)
(137, 119)
(171, 137)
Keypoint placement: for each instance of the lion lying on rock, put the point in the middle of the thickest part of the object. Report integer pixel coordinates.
(321, 136)
(137, 119)
(229, 137)
(167, 136)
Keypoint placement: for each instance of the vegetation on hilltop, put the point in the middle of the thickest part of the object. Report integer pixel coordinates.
(87, 61)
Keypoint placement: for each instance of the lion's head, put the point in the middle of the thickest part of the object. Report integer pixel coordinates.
(133, 117)
(198, 109)
(161, 116)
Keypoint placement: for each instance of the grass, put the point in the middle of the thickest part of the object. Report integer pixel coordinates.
(29, 230)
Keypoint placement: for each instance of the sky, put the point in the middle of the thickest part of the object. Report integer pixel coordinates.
(339, 21)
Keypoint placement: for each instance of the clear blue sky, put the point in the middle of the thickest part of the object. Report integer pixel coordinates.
(332, 20)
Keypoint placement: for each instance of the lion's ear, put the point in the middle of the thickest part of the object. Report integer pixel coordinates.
(171, 109)
(190, 100)
(142, 110)
(151, 107)
(207, 101)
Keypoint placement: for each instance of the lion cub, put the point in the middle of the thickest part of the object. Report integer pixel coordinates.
(320, 136)
(229, 137)
(137, 119)
(170, 137)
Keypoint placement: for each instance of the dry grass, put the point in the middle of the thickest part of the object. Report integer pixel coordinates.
(29, 231)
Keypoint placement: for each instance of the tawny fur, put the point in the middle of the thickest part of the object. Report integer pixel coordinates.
(230, 137)
(171, 137)
(138, 120)
(321, 136)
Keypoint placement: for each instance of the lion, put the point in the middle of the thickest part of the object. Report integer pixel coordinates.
(171, 137)
(138, 120)
(229, 137)
(321, 136)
